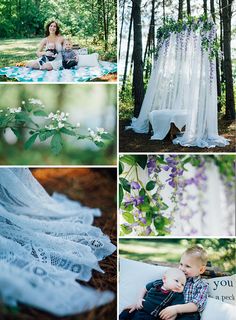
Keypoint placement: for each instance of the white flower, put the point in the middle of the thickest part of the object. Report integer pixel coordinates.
(35, 101)
(97, 138)
(101, 131)
(50, 127)
(1, 110)
(23, 102)
(67, 114)
(77, 124)
(60, 125)
(50, 116)
(92, 133)
(15, 110)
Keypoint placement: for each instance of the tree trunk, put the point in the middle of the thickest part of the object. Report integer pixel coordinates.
(221, 43)
(105, 30)
(150, 46)
(205, 7)
(127, 52)
(212, 7)
(138, 65)
(227, 14)
(180, 15)
(164, 13)
(188, 8)
(121, 27)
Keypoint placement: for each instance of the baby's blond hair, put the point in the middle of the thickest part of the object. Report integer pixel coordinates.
(68, 40)
(198, 252)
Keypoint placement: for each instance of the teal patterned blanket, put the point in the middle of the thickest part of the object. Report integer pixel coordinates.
(81, 74)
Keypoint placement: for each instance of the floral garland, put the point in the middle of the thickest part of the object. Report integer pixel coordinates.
(205, 27)
(56, 125)
(142, 207)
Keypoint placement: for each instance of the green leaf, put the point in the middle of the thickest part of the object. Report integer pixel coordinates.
(16, 132)
(125, 229)
(121, 194)
(142, 192)
(150, 185)
(56, 143)
(149, 218)
(5, 120)
(99, 144)
(160, 223)
(125, 184)
(128, 217)
(121, 167)
(44, 135)
(141, 160)
(67, 131)
(129, 207)
(30, 141)
(128, 159)
(23, 117)
(106, 136)
(40, 113)
(144, 207)
(161, 160)
(164, 206)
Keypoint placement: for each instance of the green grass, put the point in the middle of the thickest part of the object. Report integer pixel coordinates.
(14, 155)
(17, 50)
(155, 250)
(220, 253)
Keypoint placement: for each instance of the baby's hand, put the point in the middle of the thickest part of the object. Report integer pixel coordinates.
(139, 303)
(168, 313)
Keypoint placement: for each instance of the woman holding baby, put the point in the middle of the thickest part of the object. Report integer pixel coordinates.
(49, 51)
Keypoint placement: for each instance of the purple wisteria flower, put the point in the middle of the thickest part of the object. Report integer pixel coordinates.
(148, 231)
(133, 200)
(151, 165)
(135, 185)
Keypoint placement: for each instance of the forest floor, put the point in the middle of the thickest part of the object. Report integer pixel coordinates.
(129, 141)
(95, 188)
(18, 51)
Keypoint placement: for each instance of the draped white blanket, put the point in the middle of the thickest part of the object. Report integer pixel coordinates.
(182, 79)
(46, 243)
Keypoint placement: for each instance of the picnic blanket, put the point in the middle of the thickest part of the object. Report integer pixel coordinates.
(81, 74)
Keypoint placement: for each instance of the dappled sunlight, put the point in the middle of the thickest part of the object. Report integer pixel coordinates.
(220, 251)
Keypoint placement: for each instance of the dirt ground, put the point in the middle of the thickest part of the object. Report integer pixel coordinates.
(130, 141)
(93, 188)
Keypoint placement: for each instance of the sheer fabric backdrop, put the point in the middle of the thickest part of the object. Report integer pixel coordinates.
(182, 88)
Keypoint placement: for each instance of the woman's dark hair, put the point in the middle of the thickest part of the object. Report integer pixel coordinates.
(47, 28)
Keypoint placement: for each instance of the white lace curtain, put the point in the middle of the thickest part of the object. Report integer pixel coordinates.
(46, 243)
(182, 90)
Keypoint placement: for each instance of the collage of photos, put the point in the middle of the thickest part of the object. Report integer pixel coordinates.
(117, 160)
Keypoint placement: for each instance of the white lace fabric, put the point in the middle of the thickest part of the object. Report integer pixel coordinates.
(46, 243)
(183, 80)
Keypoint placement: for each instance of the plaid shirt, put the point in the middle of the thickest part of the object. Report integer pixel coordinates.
(196, 291)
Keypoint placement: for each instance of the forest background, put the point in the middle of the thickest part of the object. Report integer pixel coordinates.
(139, 21)
(90, 24)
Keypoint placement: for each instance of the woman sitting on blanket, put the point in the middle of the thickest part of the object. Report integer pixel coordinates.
(50, 60)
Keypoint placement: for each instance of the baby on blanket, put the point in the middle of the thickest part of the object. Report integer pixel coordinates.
(69, 56)
(50, 55)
